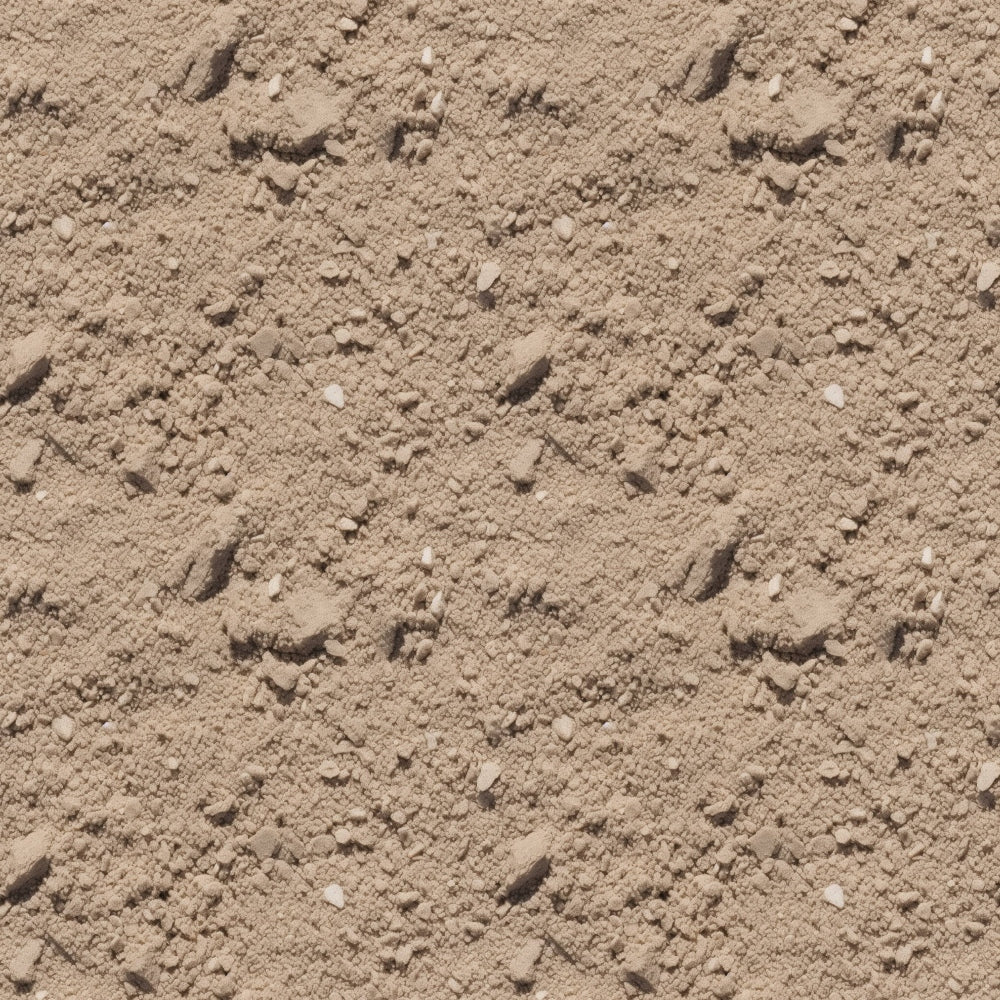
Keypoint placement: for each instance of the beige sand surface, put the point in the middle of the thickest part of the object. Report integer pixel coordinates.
(499, 499)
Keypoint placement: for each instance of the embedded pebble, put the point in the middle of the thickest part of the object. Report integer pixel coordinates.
(334, 895)
(334, 395)
(64, 727)
(26, 364)
(988, 274)
(488, 775)
(564, 727)
(64, 227)
(528, 861)
(988, 774)
(22, 469)
(834, 395)
(563, 227)
(834, 895)
(488, 274)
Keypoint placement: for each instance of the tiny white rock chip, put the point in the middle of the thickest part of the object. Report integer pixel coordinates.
(334, 395)
(774, 86)
(488, 775)
(927, 57)
(488, 274)
(274, 86)
(274, 586)
(988, 774)
(927, 557)
(834, 895)
(774, 585)
(63, 726)
(564, 727)
(427, 57)
(563, 228)
(834, 395)
(988, 275)
(334, 895)
(64, 227)
(427, 557)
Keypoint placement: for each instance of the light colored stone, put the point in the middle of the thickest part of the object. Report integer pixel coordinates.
(64, 727)
(988, 774)
(522, 966)
(564, 727)
(528, 862)
(22, 966)
(834, 395)
(488, 775)
(834, 895)
(988, 275)
(22, 466)
(334, 395)
(64, 227)
(488, 274)
(563, 227)
(334, 895)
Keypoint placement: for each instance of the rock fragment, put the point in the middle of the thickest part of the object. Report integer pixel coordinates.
(141, 969)
(27, 862)
(202, 568)
(834, 895)
(489, 272)
(834, 395)
(64, 227)
(702, 568)
(564, 727)
(140, 468)
(641, 968)
(334, 895)
(702, 69)
(21, 470)
(22, 966)
(528, 862)
(64, 727)
(766, 842)
(988, 275)
(522, 466)
(522, 966)
(527, 363)
(27, 363)
(988, 774)
(563, 227)
(203, 69)
(641, 468)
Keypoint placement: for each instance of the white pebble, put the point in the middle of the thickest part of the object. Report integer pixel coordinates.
(774, 585)
(488, 274)
(927, 557)
(937, 104)
(427, 57)
(274, 586)
(437, 107)
(274, 86)
(334, 394)
(427, 557)
(347, 524)
(774, 86)
(63, 726)
(834, 395)
(64, 227)
(488, 774)
(988, 774)
(334, 895)
(847, 524)
(347, 24)
(927, 57)
(437, 605)
(563, 228)
(564, 727)
(988, 274)
(937, 604)
(834, 895)
(847, 24)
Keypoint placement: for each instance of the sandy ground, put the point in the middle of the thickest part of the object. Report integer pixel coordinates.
(500, 500)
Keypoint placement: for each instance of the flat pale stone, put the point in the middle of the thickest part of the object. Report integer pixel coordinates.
(563, 228)
(988, 275)
(834, 895)
(988, 774)
(834, 395)
(334, 895)
(564, 727)
(334, 395)
(488, 274)
(63, 726)
(488, 775)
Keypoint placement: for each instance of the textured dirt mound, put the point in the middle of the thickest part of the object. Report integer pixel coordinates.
(500, 500)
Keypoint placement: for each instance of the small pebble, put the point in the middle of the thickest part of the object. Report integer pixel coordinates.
(274, 586)
(64, 227)
(488, 274)
(488, 775)
(927, 557)
(427, 558)
(63, 726)
(834, 895)
(274, 86)
(564, 727)
(988, 774)
(427, 58)
(563, 228)
(334, 395)
(774, 86)
(988, 275)
(927, 57)
(334, 895)
(834, 395)
(774, 585)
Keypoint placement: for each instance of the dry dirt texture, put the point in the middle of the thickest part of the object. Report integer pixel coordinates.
(499, 499)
